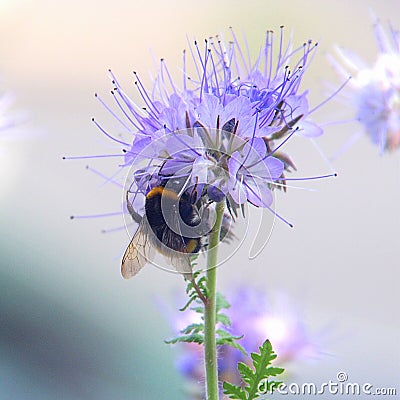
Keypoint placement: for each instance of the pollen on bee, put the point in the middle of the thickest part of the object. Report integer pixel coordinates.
(192, 245)
(159, 190)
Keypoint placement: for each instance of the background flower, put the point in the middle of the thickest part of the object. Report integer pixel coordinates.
(258, 317)
(375, 89)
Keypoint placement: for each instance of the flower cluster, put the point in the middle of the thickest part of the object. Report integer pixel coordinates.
(257, 317)
(376, 89)
(222, 131)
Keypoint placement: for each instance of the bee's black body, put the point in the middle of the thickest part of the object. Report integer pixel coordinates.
(169, 216)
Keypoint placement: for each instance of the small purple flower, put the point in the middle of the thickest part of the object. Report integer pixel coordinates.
(375, 90)
(250, 170)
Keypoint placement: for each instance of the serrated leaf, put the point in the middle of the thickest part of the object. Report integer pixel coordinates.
(195, 331)
(256, 378)
(192, 298)
(274, 371)
(193, 328)
(223, 319)
(225, 334)
(239, 347)
(221, 302)
(202, 281)
(231, 343)
(194, 338)
(261, 362)
(195, 285)
(234, 392)
(245, 371)
(199, 310)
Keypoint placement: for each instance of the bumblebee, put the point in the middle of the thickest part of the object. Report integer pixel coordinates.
(171, 225)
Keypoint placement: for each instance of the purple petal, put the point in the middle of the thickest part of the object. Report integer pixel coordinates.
(182, 146)
(200, 170)
(296, 105)
(176, 102)
(246, 127)
(309, 129)
(176, 167)
(234, 163)
(215, 193)
(258, 193)
(253, 152)
(209, 109)
(237, 190)
(259, 147)
(239, 109)
(256, 78)
(140, 147)
(274, 166)
(268, 169)
(168, 118)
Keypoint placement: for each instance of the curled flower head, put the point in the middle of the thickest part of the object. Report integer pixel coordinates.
(219, 137)
(221, 132)
(375, 93)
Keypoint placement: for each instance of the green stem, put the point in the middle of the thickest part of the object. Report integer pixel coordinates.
(210, 347)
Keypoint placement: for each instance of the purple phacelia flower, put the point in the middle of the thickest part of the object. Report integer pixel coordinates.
(375, 90)
(223, 130)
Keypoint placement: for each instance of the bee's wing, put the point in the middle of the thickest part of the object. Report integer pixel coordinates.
(138, 253)
(182, 264)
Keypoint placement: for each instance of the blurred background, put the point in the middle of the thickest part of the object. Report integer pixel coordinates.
(70, 327)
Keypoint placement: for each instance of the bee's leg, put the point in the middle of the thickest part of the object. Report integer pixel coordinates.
(194, 195)
(135, 216)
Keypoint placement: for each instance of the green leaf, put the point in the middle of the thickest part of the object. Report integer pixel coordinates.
(195, 331)
(223, 319)
(192, 298)
(193, 338)
(225, 334)
(225, 338)
(199, 309)
(234, 392)
(194, 286)
(232, 343)
(221, 302)
(246, 372)
(256, 378)
(193, 328)
(274, 371)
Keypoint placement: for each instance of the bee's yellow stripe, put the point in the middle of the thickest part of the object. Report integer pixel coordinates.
(191, 246)
(160, 190)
